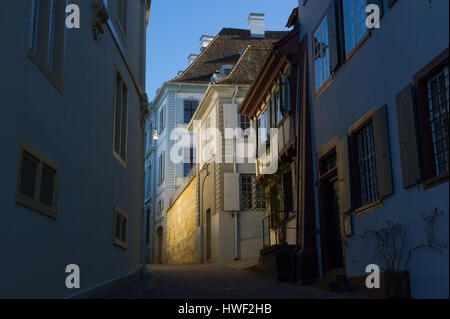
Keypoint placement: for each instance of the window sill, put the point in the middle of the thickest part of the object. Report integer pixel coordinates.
(365, 209)
(36, 206)
(357, 47)
(120, 244)
(120, 160)
(324, 86)
(58, 84)
(286, 117)
(435, 181)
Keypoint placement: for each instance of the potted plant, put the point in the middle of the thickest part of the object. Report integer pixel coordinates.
(391, 248)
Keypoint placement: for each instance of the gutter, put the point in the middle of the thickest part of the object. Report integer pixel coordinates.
(297, 173)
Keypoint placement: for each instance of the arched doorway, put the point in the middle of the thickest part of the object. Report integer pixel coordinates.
(159, 232)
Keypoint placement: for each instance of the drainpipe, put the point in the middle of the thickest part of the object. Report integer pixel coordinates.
(201, 214)
(235, 170)
(297, 173)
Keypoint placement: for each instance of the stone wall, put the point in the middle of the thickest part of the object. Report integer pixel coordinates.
(181, 227)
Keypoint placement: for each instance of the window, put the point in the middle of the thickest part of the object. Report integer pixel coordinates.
(263, 125)
(189, 161)
(279, 114)
(327, 163)
(161, 205)
(122, 15)
(287, 95)
(162, 167)
(37, 182)
(162, 120)
(321, 55)
(354, 23)
(47, 38)
(189, 109)
(120, 120)
(252, 196)
(438, 92)
(148, 182)
(120, 228)
(432, 90)
(365, 168)
(244, 124)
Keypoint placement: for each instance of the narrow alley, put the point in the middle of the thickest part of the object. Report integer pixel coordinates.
(218, 281)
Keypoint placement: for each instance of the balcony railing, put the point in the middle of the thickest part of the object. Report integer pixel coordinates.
(279, 228)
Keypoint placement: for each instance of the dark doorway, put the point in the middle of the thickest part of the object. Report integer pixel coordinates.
(160, 244)
(332, 253)
(208, 235)
(287, 192)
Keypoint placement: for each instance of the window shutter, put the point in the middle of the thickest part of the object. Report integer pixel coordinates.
(379, 3)
(408, 138)
(382, 152)
(339, 23)
(333, 37)
(345, 201)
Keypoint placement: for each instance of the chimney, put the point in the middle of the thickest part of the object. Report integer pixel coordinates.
(205, 40)
(256, 25)
(192, 57)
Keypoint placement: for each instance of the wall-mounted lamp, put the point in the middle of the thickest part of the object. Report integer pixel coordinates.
(155, 135)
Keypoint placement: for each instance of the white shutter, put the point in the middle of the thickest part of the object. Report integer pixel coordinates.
(230, 116)
(231, 187)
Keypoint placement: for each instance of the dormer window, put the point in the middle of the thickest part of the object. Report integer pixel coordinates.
(226, 69)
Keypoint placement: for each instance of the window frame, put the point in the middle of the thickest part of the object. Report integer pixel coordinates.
(358, 44)
(190, 164)
(428, 167)
(354, 167)
(43, 55)
(253, 193)
(243, 121)
(118, 156)
(35, 203)
(162, 120)
(327, 81)
(123, 25)
(188, 107)
(119, 242)
(162, 167)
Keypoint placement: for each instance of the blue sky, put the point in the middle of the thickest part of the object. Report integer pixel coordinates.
(175, 28)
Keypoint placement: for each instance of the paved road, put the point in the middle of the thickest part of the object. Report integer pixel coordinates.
(215, 281)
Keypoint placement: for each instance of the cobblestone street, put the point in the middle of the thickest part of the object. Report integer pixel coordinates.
(217, 281)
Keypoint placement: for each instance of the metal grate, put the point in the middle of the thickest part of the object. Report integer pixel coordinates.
(438, 92)
(366, 164)
(251, 193)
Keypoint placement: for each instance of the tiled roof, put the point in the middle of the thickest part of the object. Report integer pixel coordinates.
(224, 49)
(247, 67)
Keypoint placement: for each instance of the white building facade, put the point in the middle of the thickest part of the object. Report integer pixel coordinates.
(172, 108)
